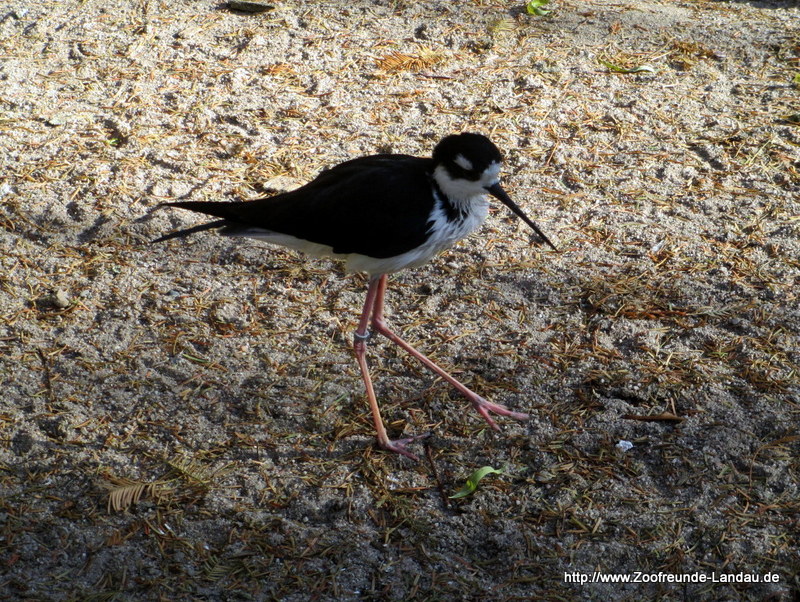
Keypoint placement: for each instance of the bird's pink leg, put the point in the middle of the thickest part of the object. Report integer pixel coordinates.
(375, 297)
(482, 405)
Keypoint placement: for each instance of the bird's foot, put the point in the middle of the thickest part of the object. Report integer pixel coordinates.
(399, 446)
(484, 407)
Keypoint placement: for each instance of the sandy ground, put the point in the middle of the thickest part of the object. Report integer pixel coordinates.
(186, 421)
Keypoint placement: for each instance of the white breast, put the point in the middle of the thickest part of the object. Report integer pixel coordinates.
(444, 233)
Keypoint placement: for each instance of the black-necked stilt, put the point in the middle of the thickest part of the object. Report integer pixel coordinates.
(381, 214)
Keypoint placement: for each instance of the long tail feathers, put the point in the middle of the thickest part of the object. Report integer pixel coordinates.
(209, 208)
(181, 233)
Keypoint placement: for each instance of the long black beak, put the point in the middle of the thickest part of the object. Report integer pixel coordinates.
(497, 192)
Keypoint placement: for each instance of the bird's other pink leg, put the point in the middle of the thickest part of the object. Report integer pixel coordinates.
(483, 406)
(375, 297)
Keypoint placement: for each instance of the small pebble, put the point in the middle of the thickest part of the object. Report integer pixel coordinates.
(623, 445)
(249, 7)
(61, 299)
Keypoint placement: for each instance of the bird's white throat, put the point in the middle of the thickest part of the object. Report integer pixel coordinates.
(460, 190)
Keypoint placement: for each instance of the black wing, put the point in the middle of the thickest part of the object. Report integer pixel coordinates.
(376, 206)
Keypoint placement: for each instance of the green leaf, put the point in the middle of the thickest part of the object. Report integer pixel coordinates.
(472, 482)
(537, 7)
(618, 69)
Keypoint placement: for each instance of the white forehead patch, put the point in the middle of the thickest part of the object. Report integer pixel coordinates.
(463, 162)
(491, 174)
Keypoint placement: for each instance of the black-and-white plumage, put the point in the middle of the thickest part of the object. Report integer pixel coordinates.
(380, 213)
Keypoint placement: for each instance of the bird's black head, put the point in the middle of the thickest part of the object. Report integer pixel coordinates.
(468, 157)
(467, 166)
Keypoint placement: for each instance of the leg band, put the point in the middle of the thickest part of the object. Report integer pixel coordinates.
(362, 337)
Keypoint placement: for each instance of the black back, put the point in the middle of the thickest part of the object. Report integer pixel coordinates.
(376, 206)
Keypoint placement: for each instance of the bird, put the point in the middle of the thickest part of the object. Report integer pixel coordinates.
(380, 213)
